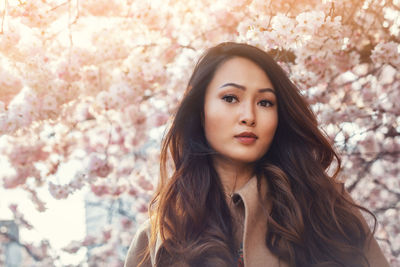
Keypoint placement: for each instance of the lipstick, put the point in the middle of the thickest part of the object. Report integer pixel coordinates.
(246, 138)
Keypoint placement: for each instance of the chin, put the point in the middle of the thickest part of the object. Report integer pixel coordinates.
(249, 160)
(246, 159)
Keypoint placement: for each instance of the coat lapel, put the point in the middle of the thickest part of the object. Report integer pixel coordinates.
(257, 210)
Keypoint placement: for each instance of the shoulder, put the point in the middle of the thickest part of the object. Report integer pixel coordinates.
(138, 246)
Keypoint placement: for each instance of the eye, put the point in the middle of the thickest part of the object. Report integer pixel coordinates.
(230, 98)
(265, 103)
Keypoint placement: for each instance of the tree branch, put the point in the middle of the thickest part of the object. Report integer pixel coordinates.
(396, 252)
(4, 16)
(377, 182)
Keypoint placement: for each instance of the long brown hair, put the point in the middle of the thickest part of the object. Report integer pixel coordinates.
(312, 222)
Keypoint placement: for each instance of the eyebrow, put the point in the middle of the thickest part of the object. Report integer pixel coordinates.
(262, 90)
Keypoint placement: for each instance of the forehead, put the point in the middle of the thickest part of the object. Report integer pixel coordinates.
(242, 71)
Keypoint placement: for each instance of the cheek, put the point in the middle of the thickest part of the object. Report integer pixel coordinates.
(269, 126)
(211, 126)
(215, 122)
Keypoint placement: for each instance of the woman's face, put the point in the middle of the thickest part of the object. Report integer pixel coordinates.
(240, 111)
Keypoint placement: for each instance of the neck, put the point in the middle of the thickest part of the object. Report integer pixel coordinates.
(233, 175)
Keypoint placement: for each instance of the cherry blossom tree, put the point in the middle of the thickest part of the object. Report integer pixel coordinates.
(96, 81)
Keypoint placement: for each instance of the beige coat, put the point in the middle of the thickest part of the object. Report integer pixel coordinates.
(244, 205)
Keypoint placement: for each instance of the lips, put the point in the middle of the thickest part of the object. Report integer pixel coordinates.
(247, 134)
(246, 138)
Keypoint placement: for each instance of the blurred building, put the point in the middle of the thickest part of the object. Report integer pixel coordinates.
(10, 250)
(104, 213)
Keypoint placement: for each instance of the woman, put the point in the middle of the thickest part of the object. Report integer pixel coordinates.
(249, 183)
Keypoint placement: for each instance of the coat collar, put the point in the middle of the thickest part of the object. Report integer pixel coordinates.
(257, 210)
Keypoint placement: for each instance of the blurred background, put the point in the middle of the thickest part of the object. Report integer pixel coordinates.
(87, 88)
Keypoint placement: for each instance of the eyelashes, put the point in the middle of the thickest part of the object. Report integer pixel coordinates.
(266, 103)
(230, 98)
(234, 99)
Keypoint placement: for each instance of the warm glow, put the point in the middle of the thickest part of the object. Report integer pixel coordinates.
(88, 89)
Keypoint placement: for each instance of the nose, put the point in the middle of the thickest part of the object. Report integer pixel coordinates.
(247, 115)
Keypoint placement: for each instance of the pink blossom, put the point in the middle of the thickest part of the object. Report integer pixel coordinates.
(23, 155)
(90, 74)
(59, 191)
(13, 181)
(10, 85)
(391, 144)
(126, 223)
(78, 181)
(9, 39)
(14, 122)
(118, 190)
(143, 208)
(22, 173)
(95, 163)
(19, 217)
(122, 91)
(13, 207)
(282, 24)
(386, 53)
(83, 112)
(107, 233)
(170, 53)
(40, 205)
(73, 247)
(3, 123)
(49, 104)
(20, 155)
(139, 138)
(108, 100)
(310, 20)
(101, 99)
(225, 18)
(2, 107)
(69, 71)
(89, 240)
(24, 111)
(145, 184)
(117, 137)
(41, 251)
(100, 190)
(160, 119)
(104, 170)
(99, 167)
(104, 7)
(138, 118)
(33, 12)
(369, 146)
(132, 191)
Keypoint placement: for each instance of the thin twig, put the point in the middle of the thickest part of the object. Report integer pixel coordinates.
(58, 6)
(377, 182)
(393, 206)
(71, 42)
(77, 11)
(360, 175)
(4, 16)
